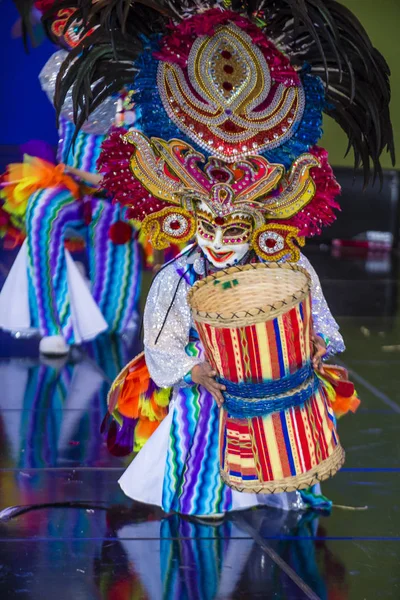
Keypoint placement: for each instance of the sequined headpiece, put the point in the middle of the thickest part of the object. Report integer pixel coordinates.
(228, 107)
(235, 100)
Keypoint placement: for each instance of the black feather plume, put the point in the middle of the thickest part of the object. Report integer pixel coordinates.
(321, 33)
(25, 8)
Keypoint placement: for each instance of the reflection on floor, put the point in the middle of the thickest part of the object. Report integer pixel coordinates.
(76, 536)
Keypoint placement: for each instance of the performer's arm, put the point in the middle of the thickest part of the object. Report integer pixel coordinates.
(324, 323)
(91, 178)
(165, 353)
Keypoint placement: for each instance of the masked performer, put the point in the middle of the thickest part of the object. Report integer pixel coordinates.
(229, 101)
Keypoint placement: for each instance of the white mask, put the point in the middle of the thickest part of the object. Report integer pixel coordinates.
(224, 240)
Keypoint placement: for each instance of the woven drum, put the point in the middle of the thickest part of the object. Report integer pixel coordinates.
(277, 428)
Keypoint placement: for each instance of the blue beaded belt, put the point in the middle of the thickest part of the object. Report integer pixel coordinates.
(248, 400)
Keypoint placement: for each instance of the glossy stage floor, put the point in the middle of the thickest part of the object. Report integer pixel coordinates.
(78, 538)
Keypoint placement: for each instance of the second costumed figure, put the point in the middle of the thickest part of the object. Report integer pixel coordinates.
(230, 388)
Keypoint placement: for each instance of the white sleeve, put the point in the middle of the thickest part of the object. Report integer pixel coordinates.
(167, 323)
(323, 320)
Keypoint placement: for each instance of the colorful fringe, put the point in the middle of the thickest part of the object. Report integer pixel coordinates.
(340, 390)
(21, 180)
(37, 172)
(136, 407)
(18, 184)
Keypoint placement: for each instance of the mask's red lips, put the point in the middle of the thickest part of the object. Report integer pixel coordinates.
(219, 257)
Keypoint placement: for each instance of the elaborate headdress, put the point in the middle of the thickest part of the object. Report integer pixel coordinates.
(229, 105)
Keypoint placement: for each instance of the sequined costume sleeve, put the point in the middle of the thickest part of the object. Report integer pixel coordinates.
(323, 320)
(166, 358)
(99, 121)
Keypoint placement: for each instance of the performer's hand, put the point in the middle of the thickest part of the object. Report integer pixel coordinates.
(319, 350)
(203, 374)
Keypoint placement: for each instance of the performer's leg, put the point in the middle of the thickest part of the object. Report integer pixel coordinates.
(49, 213)
(115, 269)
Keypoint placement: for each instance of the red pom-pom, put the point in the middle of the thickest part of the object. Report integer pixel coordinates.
(87, 210)
(120, 233)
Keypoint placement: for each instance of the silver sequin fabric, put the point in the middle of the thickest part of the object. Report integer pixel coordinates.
(166, 358)
(99, 121)
(322, 317)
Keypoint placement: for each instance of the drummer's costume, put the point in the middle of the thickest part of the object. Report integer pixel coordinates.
(223, 156)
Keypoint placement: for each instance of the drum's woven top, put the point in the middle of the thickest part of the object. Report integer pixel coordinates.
(248, 294)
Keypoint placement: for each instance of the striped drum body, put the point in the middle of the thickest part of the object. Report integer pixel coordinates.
(277, 428)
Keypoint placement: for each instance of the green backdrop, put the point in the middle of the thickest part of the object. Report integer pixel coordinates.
(381, 19)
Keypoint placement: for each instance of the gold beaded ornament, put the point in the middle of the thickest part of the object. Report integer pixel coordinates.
(177, 174)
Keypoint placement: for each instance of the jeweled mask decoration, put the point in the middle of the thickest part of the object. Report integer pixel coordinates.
(184, 185)
(227, 90)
